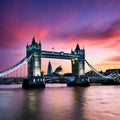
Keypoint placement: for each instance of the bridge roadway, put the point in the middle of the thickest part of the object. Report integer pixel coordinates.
(100, 78)
(57, 55)
(10, 80)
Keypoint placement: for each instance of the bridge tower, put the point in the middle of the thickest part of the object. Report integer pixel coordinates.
(35, 78)
(78, 68)
(78, 64)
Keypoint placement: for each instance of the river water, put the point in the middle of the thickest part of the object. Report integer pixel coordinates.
(59, 102)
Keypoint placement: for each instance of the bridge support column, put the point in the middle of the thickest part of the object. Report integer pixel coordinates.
(78, 68)
(35, 77)
(80, 78)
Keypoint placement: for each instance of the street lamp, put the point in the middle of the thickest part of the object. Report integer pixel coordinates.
(52, 49)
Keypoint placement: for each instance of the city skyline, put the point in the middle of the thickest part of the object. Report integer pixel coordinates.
(61, 25)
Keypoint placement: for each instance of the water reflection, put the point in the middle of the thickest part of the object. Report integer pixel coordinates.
(78, 103)
(102, 102)
(58, 102)
(11, 104)
(31, 104)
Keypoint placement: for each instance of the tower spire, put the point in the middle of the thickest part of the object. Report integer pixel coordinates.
(77, 49)
(33, 40)
(39, 42)
(27, 45)
(83, 48)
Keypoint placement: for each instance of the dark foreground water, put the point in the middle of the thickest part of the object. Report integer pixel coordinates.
(58, 102)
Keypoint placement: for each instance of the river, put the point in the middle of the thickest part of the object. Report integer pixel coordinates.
(59, 102)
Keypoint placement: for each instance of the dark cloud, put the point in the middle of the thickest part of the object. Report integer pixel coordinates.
(89, 32)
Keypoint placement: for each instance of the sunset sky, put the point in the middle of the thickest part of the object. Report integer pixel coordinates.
(94, 24)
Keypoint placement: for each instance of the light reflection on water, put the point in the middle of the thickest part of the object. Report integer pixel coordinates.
(58, 102)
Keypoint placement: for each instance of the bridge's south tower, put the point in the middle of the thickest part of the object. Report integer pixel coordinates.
(78, 64)
(78, 68)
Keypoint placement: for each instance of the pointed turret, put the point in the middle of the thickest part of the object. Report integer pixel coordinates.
(83, 48)
(33, 40)
(27, 45)
(72, 51)
(39, 42)
(77, 49)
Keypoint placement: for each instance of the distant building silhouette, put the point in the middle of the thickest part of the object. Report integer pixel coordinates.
(109, 71)
(93, 74)
(49, 70)
(106, 73)
(58, 71)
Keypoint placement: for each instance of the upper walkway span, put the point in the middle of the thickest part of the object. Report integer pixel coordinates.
(58, 55)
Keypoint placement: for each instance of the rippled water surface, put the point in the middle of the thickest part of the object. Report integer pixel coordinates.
(58, 102)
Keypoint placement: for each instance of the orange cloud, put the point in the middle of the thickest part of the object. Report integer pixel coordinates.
(105, 65)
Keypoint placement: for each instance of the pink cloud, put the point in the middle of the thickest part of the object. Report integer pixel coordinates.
(114, 59)
(114, 45)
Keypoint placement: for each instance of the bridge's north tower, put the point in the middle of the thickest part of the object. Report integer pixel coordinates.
(35, 78)
(34, 65)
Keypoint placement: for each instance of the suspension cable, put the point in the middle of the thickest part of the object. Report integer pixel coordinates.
(101, 75)
(16, 66)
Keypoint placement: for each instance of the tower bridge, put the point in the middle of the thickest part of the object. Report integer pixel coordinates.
(35, 78)
(34, 64)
